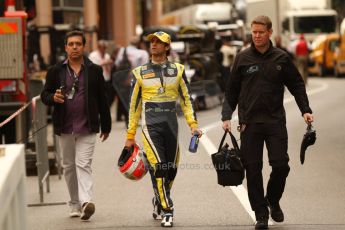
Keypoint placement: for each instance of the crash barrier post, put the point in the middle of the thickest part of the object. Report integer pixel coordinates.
(57, 155)
(39, 120)
(12, 187)
(36, 87)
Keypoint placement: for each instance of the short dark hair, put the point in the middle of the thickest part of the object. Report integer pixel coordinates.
(262, 20)
(169, 50)
(74, 33)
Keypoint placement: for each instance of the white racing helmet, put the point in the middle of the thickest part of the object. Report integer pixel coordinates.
(132, 163)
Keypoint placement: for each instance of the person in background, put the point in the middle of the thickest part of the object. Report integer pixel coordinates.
(135, 55)
(278, 43)
(120, 109)
(156, 87)
(256, 85)
(302, 52)
(103, 59)
(246, 42)
(218, 56)
(75, 88)
(136, 58)
(229, 53)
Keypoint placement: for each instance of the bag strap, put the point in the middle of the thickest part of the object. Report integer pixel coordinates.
(124, 55)
(233, 140)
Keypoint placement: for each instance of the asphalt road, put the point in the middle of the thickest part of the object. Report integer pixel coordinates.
(314, 197)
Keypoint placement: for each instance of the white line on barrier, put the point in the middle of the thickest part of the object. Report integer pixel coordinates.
(240, 191)
(33, 100)
(14, 114)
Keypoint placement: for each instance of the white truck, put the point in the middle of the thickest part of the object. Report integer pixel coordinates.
(220, 16)
(197, 14)
(291, 18)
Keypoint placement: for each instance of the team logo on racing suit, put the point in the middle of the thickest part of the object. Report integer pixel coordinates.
(253, 69)
(170, 71)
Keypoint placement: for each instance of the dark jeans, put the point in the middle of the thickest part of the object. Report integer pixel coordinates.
(252, 142)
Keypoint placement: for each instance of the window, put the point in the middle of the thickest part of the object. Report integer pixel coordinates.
(56, 3)
(73, 3)
(315, 24)
(67, 11)
(76, 5)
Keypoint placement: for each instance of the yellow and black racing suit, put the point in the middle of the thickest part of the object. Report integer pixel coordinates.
(155, 91)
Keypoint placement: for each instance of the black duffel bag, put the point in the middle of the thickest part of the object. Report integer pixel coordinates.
(227, 162)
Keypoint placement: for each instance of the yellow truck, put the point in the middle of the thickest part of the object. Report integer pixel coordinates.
(322, 54)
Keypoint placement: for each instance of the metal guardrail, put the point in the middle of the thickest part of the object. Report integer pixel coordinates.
(39, 124)
(39, 133)
(39, 120)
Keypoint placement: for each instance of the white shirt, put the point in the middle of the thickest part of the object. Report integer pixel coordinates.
(95, 57)
(136, 56)
(229, 53)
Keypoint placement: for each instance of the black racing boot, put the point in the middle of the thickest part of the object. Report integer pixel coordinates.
(276, 212)
(261, 222)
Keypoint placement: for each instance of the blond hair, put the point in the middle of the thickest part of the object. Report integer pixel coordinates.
(262, 20)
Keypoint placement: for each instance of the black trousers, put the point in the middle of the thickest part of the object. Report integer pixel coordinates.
(252, 142)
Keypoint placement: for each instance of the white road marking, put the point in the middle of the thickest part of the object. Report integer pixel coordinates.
(240, 191)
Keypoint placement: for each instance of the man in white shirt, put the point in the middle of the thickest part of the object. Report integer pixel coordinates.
(135, 55)
(102, 58)
(229, 53)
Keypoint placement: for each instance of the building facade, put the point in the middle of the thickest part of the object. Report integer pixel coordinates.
(112, 20)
